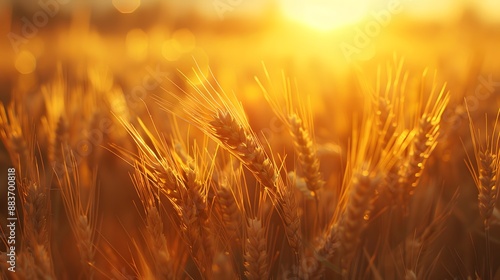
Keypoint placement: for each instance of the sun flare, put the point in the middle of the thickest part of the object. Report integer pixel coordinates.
(325, 15)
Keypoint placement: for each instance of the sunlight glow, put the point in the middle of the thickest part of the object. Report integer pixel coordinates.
(126, 6)
(325, 15)
(25, 62)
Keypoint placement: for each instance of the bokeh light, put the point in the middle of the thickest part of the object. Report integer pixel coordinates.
(184, 40)
(126, 6)
(137, 44)
(25, 62)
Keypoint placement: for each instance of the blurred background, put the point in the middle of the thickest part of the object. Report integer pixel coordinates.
(316, 40)
(321, 43)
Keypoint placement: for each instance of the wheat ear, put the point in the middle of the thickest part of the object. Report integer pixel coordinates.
(185, 184)
(423, 144)
(485, 174)
(154, 235)
(36, 208)
(325, 251)
(488, 188)
(243, 144)
(486, 177)
(256, 256)
(60, 142)
(11, 132)
(35, 196)
(289, 107)
(79, 201)
(229, 210)
(290, 216)
(306, 152)
(353, 221)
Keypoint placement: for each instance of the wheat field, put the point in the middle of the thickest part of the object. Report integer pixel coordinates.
(151, 144)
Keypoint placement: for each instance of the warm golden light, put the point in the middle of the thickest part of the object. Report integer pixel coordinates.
(137, 44)
(25, 62)
(250, 139)
(184, 40)
(126, 6)
(323, 14)
(169, 50)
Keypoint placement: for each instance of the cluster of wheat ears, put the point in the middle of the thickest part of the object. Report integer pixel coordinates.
(212, 198)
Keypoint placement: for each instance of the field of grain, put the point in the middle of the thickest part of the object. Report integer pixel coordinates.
(238, 140)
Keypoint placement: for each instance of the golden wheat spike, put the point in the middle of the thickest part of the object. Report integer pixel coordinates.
(162, 266)
(354, 219)
(245, 147)
(307, 153)
(80, 203)
(485, 168)
(256, 256)
(291, 109)
(425, 140)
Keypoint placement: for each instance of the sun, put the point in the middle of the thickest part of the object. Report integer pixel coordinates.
(325, 15)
